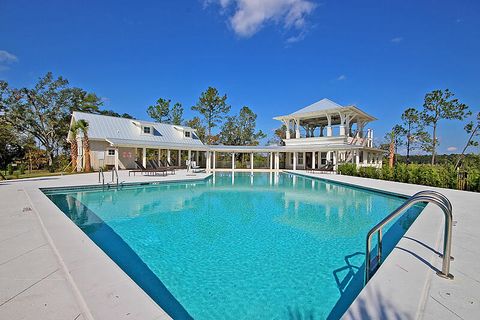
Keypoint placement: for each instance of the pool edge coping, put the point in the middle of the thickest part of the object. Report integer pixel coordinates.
(50, 217)
(413, 289)
(421, 304)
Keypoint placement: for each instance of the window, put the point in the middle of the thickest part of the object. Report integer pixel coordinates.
(111, 152)
(147, 130)
(300, 158)
(187, 134)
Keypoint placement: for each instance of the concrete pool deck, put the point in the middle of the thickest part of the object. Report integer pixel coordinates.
(406, 286)
(49, 269)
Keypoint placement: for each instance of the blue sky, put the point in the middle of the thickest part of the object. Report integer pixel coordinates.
(274, 56)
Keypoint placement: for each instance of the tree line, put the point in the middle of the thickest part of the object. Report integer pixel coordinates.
(213, 111)
(418, 129)
(41, 114)
(36, 120)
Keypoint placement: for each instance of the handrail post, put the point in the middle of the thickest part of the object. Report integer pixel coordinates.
(424, 196)
(367, 259)
(379, 246)
(447, 246)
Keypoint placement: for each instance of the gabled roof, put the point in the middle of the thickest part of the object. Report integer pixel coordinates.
(102, 127)
(322, 105)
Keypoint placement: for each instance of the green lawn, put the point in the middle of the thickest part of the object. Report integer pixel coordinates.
(33, 174)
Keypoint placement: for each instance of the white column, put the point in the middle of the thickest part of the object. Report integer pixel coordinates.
(159, 156)
(233, 161)
(189, 155)
(180, 157)
(287, 124)
(357, 158)
(313, 159)
(329, 156)
(277, 161)
(214, 160)
(334, 153)
(207, 160)
(365, 157)
(116, 159)
(169, 156)
(329, 126)
(347, 125)
(297, 128)
(271, 161)
(144, 157)
(197, 157)
(304, 160)
(342, 124)
(295, 160)
(251, 161)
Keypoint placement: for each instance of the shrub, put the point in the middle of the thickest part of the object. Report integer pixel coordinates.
(473, 180)
(368, 172)
(21, 169)
(348, 169)
(400, 173)
(443, 176)
(10, 169)
(386, 173)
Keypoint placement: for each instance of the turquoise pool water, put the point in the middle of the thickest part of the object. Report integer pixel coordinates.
(241, 247)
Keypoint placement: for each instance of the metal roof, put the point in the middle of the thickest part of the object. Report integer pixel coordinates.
(102, 127)
(154, 144)
(322, 105)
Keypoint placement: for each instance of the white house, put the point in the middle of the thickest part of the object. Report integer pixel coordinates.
(324, 132)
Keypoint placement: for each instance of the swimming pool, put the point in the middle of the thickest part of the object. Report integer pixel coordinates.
(239, 246)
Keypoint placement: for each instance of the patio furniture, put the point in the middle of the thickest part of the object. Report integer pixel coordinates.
(170, 165)
(142, 169)
(160, 165)
(328, 168)
(194, 167)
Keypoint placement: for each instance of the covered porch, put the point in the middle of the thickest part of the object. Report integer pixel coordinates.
(123, 154)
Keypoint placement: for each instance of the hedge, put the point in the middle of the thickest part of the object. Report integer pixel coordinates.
(442, 176)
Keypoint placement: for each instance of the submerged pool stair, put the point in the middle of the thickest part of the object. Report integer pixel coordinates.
(428, 196)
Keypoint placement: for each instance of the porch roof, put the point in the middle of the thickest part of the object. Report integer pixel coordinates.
(318, 111)
(114, 142)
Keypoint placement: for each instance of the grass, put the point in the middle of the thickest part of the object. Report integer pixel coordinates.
(33, 174)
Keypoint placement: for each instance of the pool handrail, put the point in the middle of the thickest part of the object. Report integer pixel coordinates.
(428, 196)
(102, 176)
(114, 173)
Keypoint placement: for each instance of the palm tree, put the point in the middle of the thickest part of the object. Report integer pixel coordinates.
(83, 126)
(74, 145)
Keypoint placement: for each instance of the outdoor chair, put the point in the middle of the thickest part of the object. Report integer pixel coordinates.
(144, 170)
(328, 168)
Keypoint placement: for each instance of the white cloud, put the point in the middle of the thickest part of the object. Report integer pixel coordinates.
(247, 17)
(342, 77)
(452, 149)
(396, 40)
(7, 57)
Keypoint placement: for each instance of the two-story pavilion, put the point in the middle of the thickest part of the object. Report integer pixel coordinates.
(321, 133)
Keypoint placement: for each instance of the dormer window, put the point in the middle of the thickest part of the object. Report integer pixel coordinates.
(187, 134)
(147, 130)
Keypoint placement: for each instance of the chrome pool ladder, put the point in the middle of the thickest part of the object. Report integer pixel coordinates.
(101, 177)
(115, 174)
(423, 196)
